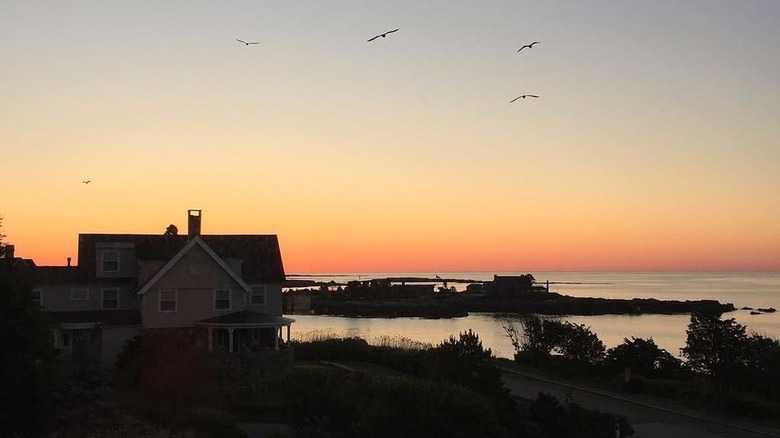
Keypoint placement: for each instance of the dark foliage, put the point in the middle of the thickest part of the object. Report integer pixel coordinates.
(169, 370)
(716, 348)
(335, 403)
(541, 337)
(580, 344)
(643, 357)
(556, 420)
(27, 358)
(763, 366)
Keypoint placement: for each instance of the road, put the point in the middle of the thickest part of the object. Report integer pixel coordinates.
(649, 419)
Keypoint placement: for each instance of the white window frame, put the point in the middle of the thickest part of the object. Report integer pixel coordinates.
(229, 299)
(79, 289)
(252, 295)
(103, 261)
(175, 300)
(103, 298)
(40, 296)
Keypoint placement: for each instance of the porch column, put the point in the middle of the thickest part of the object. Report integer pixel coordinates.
(230, 346)
(276, 339)
(211, 342)
(288, 334)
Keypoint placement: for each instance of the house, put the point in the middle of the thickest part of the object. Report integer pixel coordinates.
(512, 286)
(226, 289)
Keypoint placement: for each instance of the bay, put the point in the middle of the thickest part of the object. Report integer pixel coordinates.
(742, 289)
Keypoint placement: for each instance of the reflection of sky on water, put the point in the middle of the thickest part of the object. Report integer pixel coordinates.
(668, 331)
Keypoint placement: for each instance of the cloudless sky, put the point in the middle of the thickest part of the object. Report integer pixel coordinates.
(654, 145)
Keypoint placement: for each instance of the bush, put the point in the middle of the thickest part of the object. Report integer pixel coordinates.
(643, 357)
(332, 349)
(570, 420)
(333, 402)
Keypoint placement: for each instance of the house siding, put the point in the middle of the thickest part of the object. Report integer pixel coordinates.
(194, 278)
(126, 257)
(57, 298)
(273, 300)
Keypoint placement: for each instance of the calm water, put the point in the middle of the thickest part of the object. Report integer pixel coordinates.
(668, 331)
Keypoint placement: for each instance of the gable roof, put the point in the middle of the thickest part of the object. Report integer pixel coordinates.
(261, 259)
(195, 241)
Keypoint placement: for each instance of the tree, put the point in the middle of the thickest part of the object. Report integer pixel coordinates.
(579, 343)
(27, 358)
(2, 237)
(716, 348)
(465, 362)
(763, 365)
(538, 338)
(644, 357)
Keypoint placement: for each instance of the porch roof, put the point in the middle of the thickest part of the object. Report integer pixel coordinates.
(104, 317)
(247, 319)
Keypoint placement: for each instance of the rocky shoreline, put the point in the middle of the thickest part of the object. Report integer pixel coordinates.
(459, 305)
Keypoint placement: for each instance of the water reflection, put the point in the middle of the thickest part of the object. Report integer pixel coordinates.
(668, 331)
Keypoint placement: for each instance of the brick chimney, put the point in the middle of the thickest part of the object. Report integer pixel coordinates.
(193, 223)
(9, 252)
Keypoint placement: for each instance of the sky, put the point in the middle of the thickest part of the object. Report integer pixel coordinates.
(654, 144)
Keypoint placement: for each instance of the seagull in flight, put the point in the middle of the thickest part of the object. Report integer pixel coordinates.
(384, 34)
(530, 46)
(247, 42)
(86, 181)
(523, 96)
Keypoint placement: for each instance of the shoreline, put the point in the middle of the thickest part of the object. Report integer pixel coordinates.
(460, 305)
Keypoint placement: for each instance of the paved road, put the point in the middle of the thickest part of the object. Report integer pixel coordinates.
(649, 419)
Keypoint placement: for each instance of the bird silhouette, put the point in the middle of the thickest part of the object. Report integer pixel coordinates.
(523, 96)
(384, 34)
(86, 181)
(530, 46)
(247, 42)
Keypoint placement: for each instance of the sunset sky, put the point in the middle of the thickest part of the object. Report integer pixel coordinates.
(654, 145)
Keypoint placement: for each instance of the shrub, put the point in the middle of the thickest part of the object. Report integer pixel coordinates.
(643, 357)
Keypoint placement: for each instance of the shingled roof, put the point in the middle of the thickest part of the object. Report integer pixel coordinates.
(72, 275)
(260, 254)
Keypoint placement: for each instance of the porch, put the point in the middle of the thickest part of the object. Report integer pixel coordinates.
(247, 330)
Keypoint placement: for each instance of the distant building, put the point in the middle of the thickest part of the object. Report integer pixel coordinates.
(512, 285)
(226, 288)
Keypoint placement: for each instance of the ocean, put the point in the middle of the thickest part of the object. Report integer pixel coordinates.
(753, 290)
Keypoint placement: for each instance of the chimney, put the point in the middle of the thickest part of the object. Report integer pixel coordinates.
(69, 262)
(9, 252)
(193, 223)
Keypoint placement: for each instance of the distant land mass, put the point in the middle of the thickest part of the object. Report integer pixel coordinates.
(416, 297)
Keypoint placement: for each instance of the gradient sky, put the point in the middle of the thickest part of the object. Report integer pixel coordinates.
(655, 144)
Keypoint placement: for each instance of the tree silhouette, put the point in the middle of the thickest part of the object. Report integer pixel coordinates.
(716, 348)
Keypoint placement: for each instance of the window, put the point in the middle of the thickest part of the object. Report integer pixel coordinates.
(79, 294)
(168, 300)
(110, 298)
(37, 296)
(222, 299)
(258, 295)
(110, 261)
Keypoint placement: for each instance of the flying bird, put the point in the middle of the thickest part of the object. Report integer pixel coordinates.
(86, 181)
(530, 46)
(247, 42)
(384, 34)
(523, 96)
